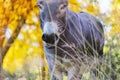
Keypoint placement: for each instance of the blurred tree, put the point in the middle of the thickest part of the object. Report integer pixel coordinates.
(11, 12)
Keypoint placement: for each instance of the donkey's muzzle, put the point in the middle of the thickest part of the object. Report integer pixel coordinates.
(49, 38)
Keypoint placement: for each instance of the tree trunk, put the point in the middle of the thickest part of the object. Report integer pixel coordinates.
(2, 37)
(43, 73)
(10, 41)
(0, 64)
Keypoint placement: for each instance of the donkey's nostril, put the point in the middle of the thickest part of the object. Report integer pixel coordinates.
(44, 37)
(49, 38)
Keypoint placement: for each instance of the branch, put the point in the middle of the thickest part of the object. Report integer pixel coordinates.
(12, 38)
(2, 37)
(10, 41)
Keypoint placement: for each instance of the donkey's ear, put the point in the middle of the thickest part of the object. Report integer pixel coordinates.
(39, 0)
(64, 0)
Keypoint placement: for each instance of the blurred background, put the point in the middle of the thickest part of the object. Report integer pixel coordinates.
(21, 47)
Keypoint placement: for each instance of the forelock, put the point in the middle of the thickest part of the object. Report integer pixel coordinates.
(50, 1)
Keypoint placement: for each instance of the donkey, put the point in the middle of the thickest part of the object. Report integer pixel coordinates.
(69, 38)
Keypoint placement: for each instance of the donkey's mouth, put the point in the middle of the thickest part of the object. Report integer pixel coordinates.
(49, 46)
(50, 39)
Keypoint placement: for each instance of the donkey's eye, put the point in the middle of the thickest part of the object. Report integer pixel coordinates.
(40, 4)
(63, 6)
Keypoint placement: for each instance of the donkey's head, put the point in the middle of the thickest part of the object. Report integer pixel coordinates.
(52, 17)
